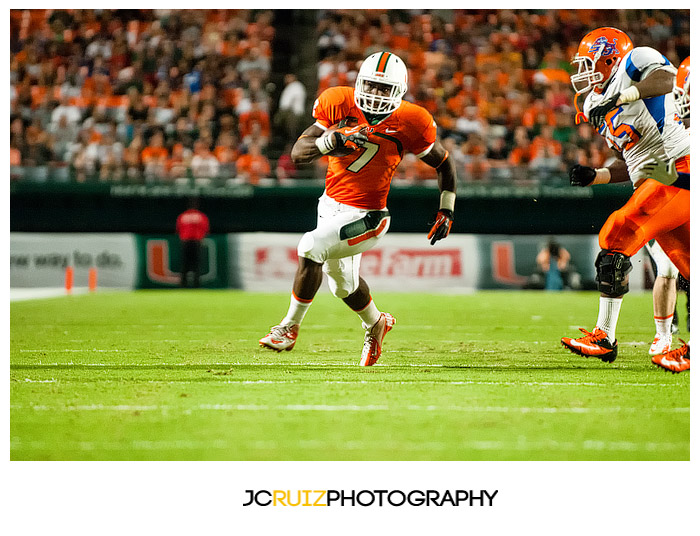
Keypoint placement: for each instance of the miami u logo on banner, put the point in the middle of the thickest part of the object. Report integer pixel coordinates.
(503, 264)
(158, 262)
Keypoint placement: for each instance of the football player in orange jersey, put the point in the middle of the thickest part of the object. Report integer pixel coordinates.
(666, 172)
(365, 132)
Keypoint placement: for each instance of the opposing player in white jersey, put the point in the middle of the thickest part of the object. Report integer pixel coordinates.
(667, 172)
(365, 132)
(628, 100)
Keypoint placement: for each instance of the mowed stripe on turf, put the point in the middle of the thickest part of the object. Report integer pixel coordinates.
(521, 445)
(349, 407)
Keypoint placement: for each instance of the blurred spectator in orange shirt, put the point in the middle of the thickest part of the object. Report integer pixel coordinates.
(155, 157)
(521, 153)
(179, 161)
(255, 115)
(226, 152)
(545, 139)
(253, 165)
(538, 114)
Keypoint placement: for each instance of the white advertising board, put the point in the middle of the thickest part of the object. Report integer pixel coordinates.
(40, 259)
(400, 262)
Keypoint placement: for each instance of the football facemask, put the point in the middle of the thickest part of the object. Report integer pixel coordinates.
(681, 89)
(381, 83)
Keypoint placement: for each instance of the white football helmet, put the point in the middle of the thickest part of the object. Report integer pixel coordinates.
(381, 68)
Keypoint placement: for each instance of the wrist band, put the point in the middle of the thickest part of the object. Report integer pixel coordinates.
(629, 95)
(325, 143)
(602, 176)
(447, 200)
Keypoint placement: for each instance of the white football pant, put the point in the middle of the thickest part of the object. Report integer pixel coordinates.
(342, 234)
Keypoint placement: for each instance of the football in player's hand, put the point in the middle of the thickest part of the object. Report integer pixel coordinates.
(347, 138)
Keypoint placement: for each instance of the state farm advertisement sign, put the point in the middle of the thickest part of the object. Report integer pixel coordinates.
(399, 262)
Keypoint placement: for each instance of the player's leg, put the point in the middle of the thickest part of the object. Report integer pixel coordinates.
(307, 281)
(341, 231)
(675, 244)
(653, 209)
(345, 282)
(613, 266)
(196, 262)
(187, 262)
(312, 249)
(613, 282)
(663, 297)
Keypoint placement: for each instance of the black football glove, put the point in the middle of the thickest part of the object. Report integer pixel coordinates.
(351, 137)
(441, 226)
(343, 140)
(581, 175)
(598, 113)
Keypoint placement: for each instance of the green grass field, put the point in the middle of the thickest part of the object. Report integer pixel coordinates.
(178, 375)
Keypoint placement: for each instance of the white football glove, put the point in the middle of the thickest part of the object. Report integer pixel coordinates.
(660, 170)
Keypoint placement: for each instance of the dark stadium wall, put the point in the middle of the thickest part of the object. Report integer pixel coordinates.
(140, 209)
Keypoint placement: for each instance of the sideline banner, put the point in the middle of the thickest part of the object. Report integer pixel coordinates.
(40, 259)
(266, 262)
(508, 261)
(400, 262)
(161, 261)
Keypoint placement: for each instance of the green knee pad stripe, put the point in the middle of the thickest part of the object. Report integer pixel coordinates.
(357, 228)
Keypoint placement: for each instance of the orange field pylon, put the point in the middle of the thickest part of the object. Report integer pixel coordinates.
(92, 279)
(69, 279)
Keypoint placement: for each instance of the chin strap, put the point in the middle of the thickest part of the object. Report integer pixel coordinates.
(580, 116)
(373, 119)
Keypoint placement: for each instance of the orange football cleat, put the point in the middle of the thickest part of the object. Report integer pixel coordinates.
(374, 336)
(281, 337)
(594, 344)
(661, 344)
(675, 361)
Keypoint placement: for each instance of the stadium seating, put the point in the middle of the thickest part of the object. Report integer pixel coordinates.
(165, 96)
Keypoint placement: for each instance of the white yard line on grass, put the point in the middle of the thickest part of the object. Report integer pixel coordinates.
(350, 408)
(38, 293)
(521, 445)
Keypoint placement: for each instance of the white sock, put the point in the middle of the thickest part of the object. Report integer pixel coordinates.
(663, 324)
(608, 313)
(369, 315)
(297, 310)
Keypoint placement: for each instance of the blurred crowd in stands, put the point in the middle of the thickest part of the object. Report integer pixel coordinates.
(165, 96)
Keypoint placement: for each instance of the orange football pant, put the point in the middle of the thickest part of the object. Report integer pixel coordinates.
(654, 211)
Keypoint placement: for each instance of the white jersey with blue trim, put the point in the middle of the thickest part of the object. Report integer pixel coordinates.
(645, 127)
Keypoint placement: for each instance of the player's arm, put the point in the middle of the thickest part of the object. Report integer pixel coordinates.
(315, 142)
(305, 149)
(440, 159)
(659, 82)
(587, 176)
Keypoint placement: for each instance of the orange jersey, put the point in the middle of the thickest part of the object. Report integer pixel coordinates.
(362, 178)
